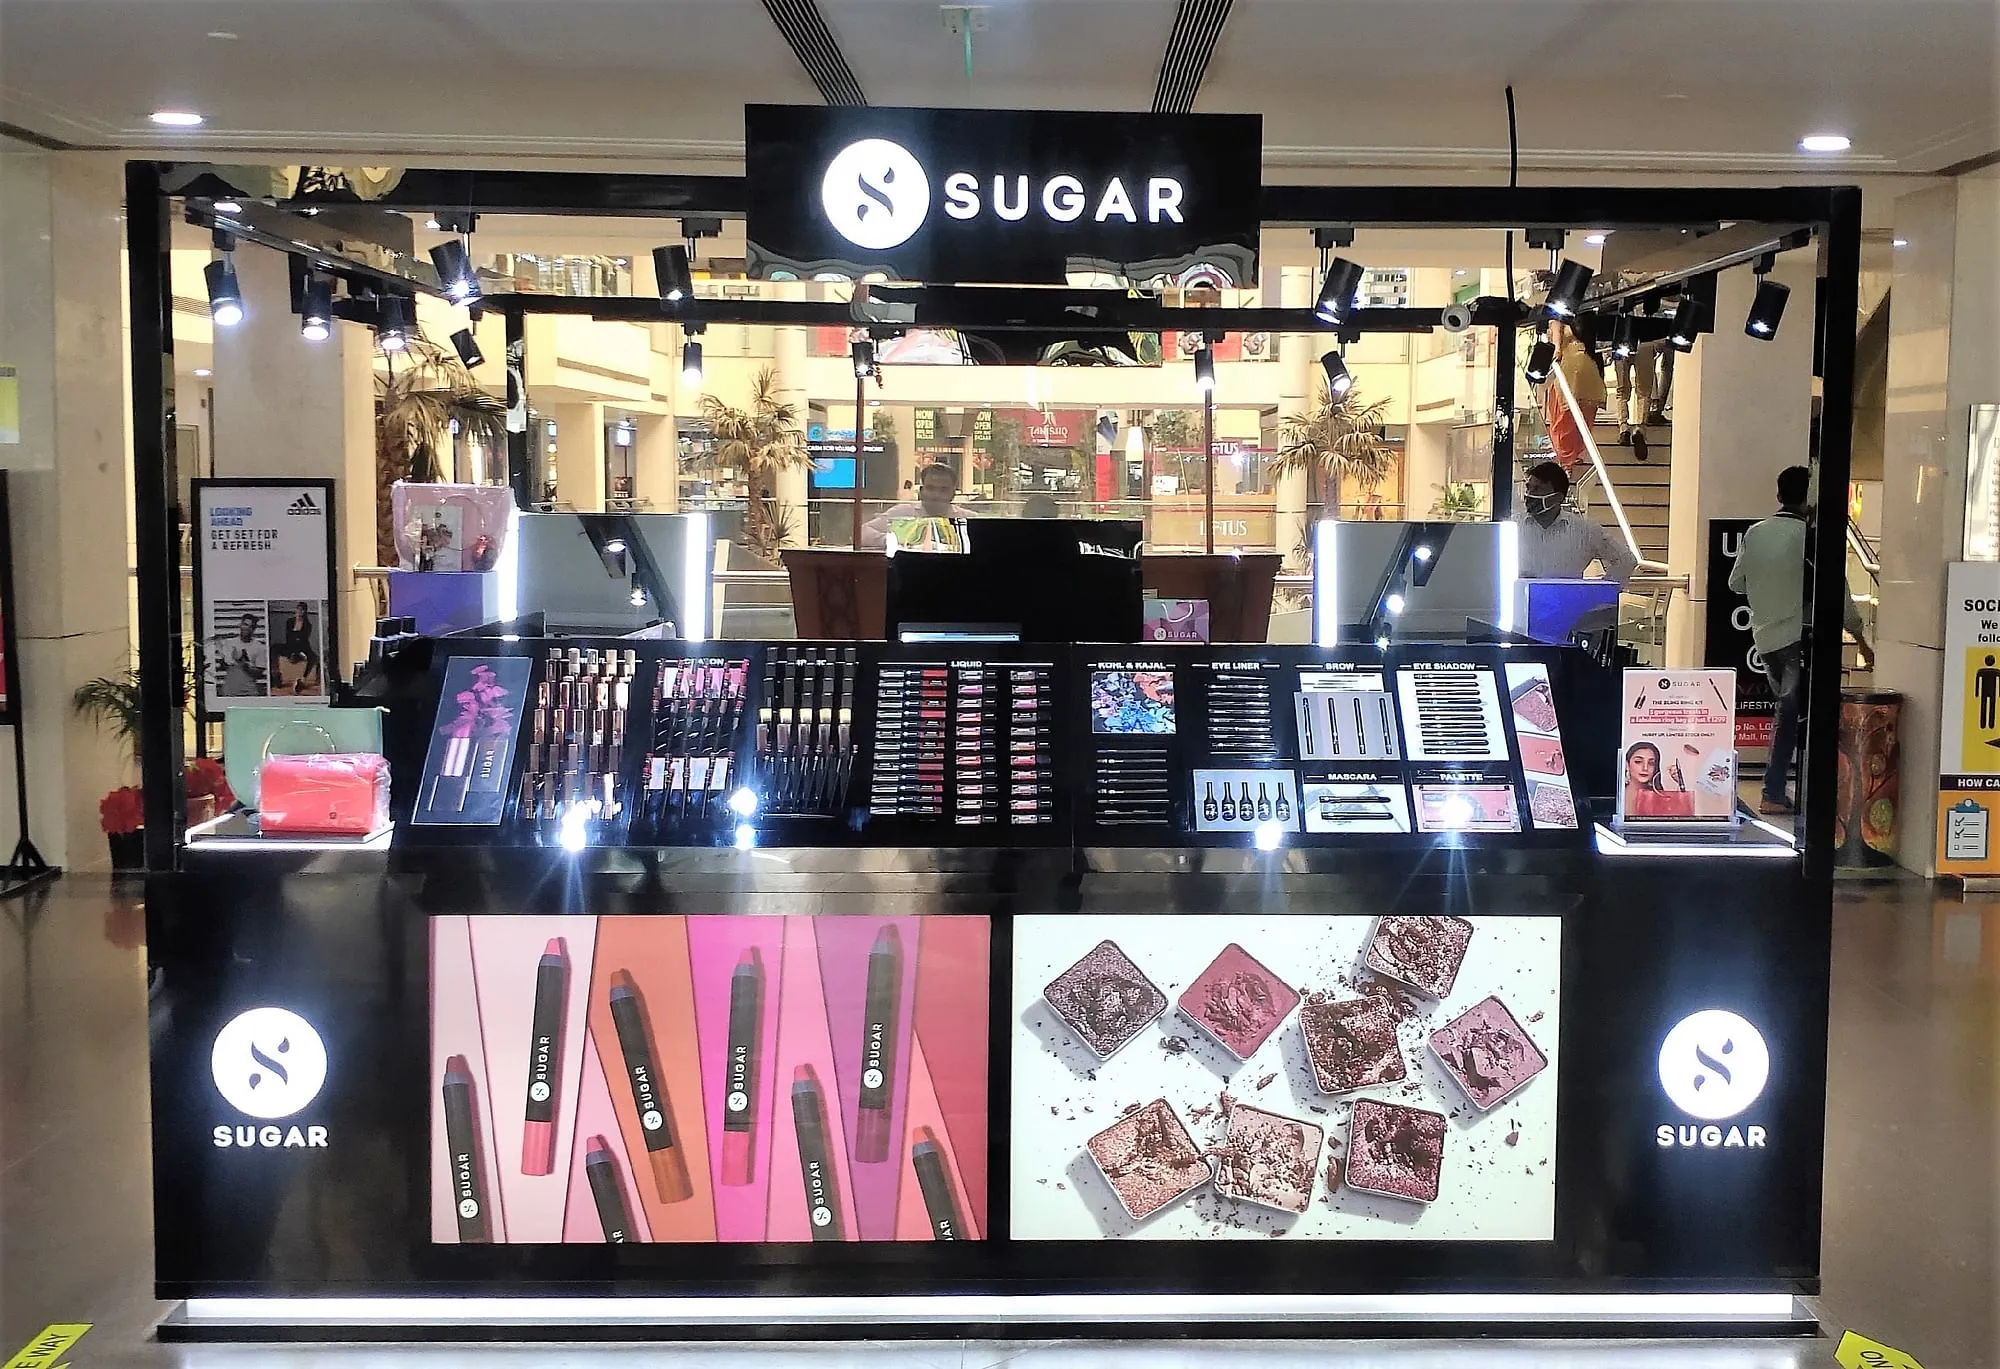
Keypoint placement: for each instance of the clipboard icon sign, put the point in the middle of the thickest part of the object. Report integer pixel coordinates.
(1966, 831)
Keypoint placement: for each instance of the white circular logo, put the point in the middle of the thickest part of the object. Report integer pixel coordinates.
(468, 1208)
(268, 1063)
(651, 1120)
(871, 1079)
(875, 194)
(738, 1101)
(1714, 1064)
(538, 1091)
(822, 1216)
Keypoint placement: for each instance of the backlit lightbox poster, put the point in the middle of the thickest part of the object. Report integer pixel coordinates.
(266, 630)
(1677, 747)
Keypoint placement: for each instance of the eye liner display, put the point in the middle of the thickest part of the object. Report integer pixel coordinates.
(649, 1091)
(538, 1133)
(935, 1183)
(461, 1136)
(739, 1103)
(804, 745)
(607, 1191)
(878, 1047)
(809, 1119)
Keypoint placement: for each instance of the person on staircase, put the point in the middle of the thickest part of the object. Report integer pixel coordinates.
(1632, 393)
(1576, 357)
(1557, 544)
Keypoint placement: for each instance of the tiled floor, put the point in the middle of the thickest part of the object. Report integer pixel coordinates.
(1911, 1176)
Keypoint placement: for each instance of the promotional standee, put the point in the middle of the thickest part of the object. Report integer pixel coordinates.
(266, 631)
(1727, 640)
(1677, 748)
(1968, 797)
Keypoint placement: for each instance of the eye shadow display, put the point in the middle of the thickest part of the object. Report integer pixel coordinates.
(1487, 1052)
(1395, 1151)
(1148, 1159)
(1270, 1160)
(1104, 998)
(1238, 1002)
(1351, 1043)
(1422, 952)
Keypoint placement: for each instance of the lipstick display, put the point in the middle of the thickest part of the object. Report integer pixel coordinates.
(576, 748)
(878, 1047)
(739, 1103)
(649, 1091)
(698, 718)
(966, 743)
(461, 1134)
(815, 1167)
(538, 1133)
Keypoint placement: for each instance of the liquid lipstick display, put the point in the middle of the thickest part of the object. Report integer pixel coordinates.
(966, 742)
(576, 741)
(697, 727)
(805, 730)
(538, 1133)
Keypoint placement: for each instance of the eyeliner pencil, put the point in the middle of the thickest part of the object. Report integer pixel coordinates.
(649, 1091)
(461, 1134)
(809, 1119)
(607, 1191)
(538, 1131)
(878, 1046)
(928, 1160)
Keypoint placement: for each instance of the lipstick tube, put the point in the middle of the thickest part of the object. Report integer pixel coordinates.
(739, 1103)
(649, 1091)
(538, 1131)
(461, 1136)
(607, 1191)
(935, 1184)
(878, 1046)
(809, 1120)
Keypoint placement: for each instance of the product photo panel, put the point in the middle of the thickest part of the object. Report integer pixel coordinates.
(1342, 1078)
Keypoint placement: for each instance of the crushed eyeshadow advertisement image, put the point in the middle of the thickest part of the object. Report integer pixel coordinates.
(1318, 1078)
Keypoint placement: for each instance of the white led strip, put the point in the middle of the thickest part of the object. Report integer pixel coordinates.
(1163, 1309)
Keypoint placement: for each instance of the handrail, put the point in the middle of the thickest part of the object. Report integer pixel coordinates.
(1561, 382)
(1858, 544)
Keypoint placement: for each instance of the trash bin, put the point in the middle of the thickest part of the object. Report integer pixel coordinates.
(1870, 765)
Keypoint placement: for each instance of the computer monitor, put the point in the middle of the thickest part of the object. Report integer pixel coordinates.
(610, 574)
(1420, 582)
(1023, 579)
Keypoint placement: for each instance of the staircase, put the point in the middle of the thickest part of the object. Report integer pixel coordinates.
(1642, 486)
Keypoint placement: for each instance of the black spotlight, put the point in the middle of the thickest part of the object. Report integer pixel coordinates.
(392, 323)
(691, 363)
(676, 274)
(1204, 367)
(468, 348)
(225, 296)
(1338, 379)
(1566, 295)
(1336, 292)
(1625, 337)
(1767, 309)
(316, 309)
(1541, 360)
(455, 274)
(864, 357)
(1690, 321)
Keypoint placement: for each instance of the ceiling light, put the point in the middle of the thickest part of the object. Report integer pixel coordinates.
(1595, 239)
(1338, 379)
(863, 353)
(455, 274)
(1394, 603)
(392, 323)
(638, 597)
(1337, 291)
(676, 275)
(223, 35)
(1767, 309)
(1204, 368)
(228, 207)
(1541, 360)
(691, 364)
(316, 309)
(1690, 320)
(1899, 242)
(202, 373)
(1625, 336)
(468, 348)
(176, 118)
(432, 224)
(1825, 142)
(225, 296)
(1566, 295)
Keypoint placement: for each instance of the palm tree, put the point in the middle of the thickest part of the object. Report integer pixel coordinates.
(415, 406)
(755, 444)
(1337, 437)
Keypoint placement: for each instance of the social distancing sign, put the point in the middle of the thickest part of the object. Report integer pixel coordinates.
(1968, 797)
(48, 1349)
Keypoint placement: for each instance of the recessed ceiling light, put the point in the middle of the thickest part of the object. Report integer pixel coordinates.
(201, 372)
(228, 207)
(1673, 95)
(1825, 142)
(1596, 239)
(176, 118)
(1899, 242)
(223, 35)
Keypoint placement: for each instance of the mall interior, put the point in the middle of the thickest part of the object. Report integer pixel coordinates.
(1344, 642)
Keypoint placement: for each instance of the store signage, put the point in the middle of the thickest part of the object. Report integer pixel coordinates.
(1677, 747)
(266, 618)
(1000, 196)
(1727, 640)
(1713, 1065)
(269, 1064)
(1968, 797)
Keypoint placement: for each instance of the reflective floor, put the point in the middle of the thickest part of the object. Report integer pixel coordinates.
(1912, 1176)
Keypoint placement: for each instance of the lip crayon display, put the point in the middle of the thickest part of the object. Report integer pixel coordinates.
(697, 733)
(765, 1079)
(1300, 1088)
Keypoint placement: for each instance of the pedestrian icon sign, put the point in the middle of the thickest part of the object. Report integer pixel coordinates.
(1979, 735)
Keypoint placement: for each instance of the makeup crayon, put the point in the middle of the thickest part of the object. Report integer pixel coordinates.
(607, 1192)
(928, 1160)
(878, 1046)
(461, 1135)
(649, 1091)
(809, 1118)
(739, 1069)
(538, 1132)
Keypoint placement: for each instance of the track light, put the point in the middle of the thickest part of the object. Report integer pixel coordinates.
(1337, 291)
(1541, 360)
(1690, 320)
(1767, 309)
(1625, 337)
(455, 274)
(316, 309)
(1338, 379)
(225, 296)
(691, 364)
(1566, 295)
(468, 348)
(863, 352)
(676, 275)
(392, 323)
(1204, 368)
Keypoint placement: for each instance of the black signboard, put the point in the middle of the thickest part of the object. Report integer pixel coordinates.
(1728, 639)
(1001, 196)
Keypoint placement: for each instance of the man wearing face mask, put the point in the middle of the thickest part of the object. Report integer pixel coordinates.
(1559, 545)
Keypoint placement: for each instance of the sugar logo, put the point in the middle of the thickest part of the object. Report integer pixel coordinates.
(468, 1208)
(303, 506)
(1713, 1065)
(268, 1063)
(875, 194)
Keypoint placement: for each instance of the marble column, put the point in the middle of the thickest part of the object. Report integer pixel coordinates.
(1297, 386)
(657, 462)
(580, 456)
(789, 357)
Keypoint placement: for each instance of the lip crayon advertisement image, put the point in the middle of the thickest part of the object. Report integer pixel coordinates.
(706, 1079)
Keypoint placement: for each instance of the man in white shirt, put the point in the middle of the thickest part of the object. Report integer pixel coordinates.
(937, 490)
(1559, 545)
(1770, 572)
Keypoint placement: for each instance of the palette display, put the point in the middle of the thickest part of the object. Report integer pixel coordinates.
(1319, 1077)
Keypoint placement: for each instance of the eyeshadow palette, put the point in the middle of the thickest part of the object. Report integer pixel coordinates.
(1395, 1151)
(1148, 1159)
(1237, 1002)
(1270, 1160)
(1487, 1052)
(1422, 952)
(1351, 1043)
(1105, 999)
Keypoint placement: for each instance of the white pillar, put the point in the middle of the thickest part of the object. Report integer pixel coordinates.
(789, 356)
(580, 456)
(1296, 388)
(657, 462)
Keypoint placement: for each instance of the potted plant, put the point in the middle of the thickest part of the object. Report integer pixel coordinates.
(416, 404)
(122, 815)
(1337, 437)
(112, 703)
(754, 445)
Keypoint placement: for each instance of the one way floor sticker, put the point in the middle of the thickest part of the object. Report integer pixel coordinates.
(47, 1349)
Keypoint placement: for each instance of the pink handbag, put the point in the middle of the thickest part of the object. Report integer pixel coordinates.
(336, 795)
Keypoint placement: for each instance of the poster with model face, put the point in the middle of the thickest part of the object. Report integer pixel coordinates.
(263, 578)
(1319, 1078)
(708, 1079)
(1677, 747)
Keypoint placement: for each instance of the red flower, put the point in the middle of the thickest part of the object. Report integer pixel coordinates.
(206, 779)
(122, 810)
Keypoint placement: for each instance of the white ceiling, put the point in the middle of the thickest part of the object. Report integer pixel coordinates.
(1606, 87)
